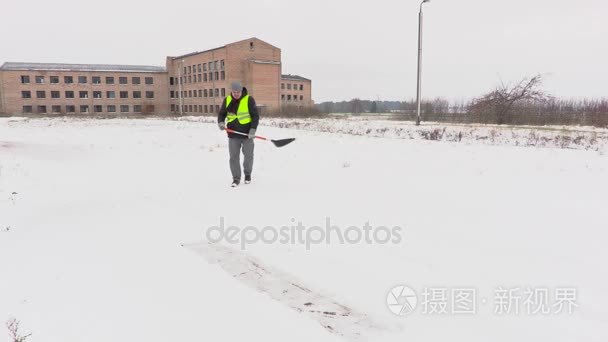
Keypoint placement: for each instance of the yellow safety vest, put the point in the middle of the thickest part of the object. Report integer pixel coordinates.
(242, 113)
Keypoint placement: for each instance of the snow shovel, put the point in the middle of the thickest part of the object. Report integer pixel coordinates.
(277, 143)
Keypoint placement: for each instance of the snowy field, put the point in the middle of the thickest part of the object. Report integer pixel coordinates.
(104, 226)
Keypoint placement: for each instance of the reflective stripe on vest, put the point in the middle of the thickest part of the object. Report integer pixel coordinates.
(242, 113)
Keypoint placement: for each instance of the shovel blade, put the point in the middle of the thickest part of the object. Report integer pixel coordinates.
(282, 142)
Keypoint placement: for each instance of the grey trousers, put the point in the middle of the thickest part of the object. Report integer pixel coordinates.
(234, 147)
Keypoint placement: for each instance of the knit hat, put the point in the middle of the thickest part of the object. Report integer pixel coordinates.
(236, 86)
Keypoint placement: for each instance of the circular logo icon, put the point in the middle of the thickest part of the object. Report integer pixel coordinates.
(401, 300)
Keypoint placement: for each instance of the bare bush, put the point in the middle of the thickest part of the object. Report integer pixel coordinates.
(13, 331)
(498, 104)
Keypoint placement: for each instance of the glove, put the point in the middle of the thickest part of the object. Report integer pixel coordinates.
(251, 133)
(221, 125)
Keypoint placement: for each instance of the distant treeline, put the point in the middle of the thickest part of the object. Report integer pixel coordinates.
(586, 112)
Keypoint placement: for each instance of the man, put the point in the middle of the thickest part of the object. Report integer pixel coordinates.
(239, 113)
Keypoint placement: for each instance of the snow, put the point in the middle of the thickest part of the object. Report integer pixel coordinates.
(94, 213)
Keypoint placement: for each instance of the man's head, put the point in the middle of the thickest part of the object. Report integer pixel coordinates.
(236, 89)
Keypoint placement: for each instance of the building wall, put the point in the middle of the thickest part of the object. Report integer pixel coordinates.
(14, 101)
(296, 92)
(234, 63)
(206, 78)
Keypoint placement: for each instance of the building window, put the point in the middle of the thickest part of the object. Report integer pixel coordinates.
(190, 108)
(200, 93)
(200, 78)
(288, 97)
(111, 94)
(251, 45)
(55, 94)
(96, 79)
(210, 76)
(184, 70)
(217, 75)
(137, 94)
(137, 108)
(27, 109)
(69, 94)
(282, 97)
(97, 108)
(295, 87)
(40, 79)
(204, 77)
(96, 94)
(289, 86)
(68, 79)
(205, 93)
(200, 108)
(171, 81)
(205, 108)
(189, 79)
(25, 79)
(83, 94)
(149, 80)
(222, 64)
(301, 87)
(84, 109)
(136, 80)
(172, 107)
(217, 108)
(82, 79)
(198, 67)
(124, 108)
(217, 92)
(223, 75)
(301, 97)
(282, 85)
(124, 94)
(109, 80)
(123, 80)
(54, 79)
(111, 109)
(41, 94)
(41, 109)
(70, 109)
(195, 93)
(189, 93)
(26, 94)
(223, 92)
(189, 69)
(56, 109)
(149, 94)
(172, 94)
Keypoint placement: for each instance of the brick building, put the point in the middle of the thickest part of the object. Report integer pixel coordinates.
(44, 88)
(194, 83)
(205, 77)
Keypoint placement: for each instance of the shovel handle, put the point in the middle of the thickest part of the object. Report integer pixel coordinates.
(241, 133)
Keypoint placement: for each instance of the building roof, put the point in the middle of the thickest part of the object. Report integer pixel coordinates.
(221, 47)
(294, 77)
(81, 67)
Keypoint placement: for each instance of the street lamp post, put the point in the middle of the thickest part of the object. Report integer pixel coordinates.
(419, 63)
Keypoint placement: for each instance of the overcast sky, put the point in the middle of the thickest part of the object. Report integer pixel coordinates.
(364, 49)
